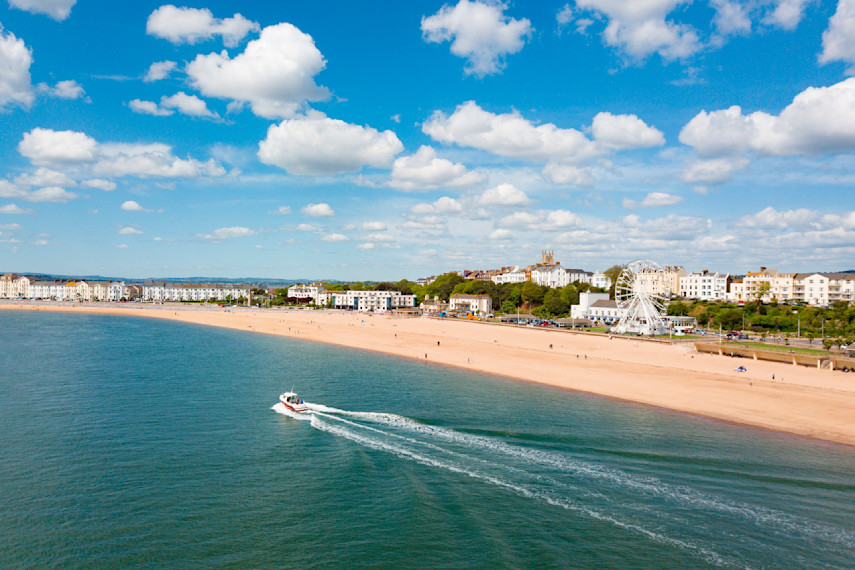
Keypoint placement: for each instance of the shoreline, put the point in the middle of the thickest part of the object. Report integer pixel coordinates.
(801, 401)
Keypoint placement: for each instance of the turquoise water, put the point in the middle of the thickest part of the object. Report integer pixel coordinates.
(129, 442)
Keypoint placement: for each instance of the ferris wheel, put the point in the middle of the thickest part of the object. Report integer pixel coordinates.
(639, 294)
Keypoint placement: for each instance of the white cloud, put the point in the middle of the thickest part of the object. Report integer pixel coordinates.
(187, 105)
(122, 246)
(151, 160)
(50, 194)
(46, 147)
(335, 238)
(501, 235)
(424, 171)
(282, 210)
(148, 108)
(133, 206)
(308, 228)
(642, 28)
(57, 9)
(159, 70)
(365, 246)
(316, 144)
(623, 132)
(508, 134)
(479, 32)
(44, 177)
(770, 218)
(100, 184)
(68, 89)
(819, 120)
(275, 73)
(540, 220)
(838, 41)
(15, 61)
(321, 210)
(714, 171)
(671, 227)
(182, 102)
(191, 25)
(731, 17)
(374, 226)
(569, 174)
(787, 13)
(129, 230)
(11, 227)
(379, 237)
(653, 200)
(14, 210)
(443, 205)
(503, 195)
(230, 232)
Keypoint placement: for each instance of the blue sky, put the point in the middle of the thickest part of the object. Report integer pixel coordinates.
(380, 140)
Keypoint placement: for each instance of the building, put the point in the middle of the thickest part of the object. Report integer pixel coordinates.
(601, 280)
(510, 275)
(14, 286)
(736, 291)
(161, 291)
(303, 291)
(665, 283)
(822, 289)
(366, 301)
(768, 284)
(595, 306)
(433, 306)
(705, 286)
(478, 304)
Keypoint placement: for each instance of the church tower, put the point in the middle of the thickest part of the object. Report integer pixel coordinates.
(547, 257)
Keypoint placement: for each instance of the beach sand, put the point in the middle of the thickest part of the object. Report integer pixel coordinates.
(804, 401)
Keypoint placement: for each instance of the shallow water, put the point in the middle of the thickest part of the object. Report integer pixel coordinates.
(138, 442)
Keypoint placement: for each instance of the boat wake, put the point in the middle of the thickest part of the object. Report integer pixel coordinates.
(714, 528)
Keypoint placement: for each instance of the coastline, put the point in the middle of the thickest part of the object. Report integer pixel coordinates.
(802, 401)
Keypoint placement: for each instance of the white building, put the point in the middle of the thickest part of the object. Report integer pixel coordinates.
(515, 275)
(601, 280)
(822, 289)
(366, 301)
(705, 286)
(596, 307)
(478, 304)
(161, 291)
(306, 291)
(556, 276)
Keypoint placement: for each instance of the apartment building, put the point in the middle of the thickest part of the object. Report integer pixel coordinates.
(705, 286)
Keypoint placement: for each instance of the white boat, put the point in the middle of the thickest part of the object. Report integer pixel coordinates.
(293, 402)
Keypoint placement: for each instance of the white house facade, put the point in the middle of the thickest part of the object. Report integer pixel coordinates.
(705, 286)
(478, 304)
(366, 301)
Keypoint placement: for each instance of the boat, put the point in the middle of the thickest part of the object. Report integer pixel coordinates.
(293, 402)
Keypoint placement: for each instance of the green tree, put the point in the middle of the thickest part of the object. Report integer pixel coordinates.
(613, 273)
(532, 292)
(508, 307)
(553, 303)
(443, 286)
(678, 308)
(827, 343)
(570, 295)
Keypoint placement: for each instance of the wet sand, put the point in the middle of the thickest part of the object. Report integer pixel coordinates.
(800, 400)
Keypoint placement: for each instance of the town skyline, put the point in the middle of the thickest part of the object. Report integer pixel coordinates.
(361, 143)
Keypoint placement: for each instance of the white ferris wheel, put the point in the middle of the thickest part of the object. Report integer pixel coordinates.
(639, 295)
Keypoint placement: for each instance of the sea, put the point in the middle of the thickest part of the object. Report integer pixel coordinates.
(128, 442)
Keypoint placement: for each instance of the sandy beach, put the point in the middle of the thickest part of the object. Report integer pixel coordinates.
(799, 400)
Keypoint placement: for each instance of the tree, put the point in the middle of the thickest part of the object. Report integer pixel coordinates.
(827, 343)
(613, 273)
(508, 307)
(810, 336)
(443, 286)
(553, 303)
(570, 295)
(678, 308)
(730, 318)
(532, 292)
